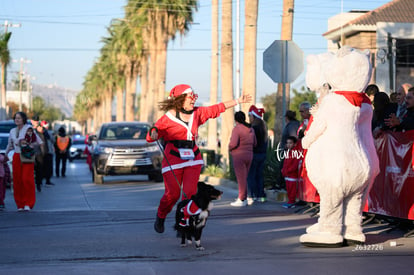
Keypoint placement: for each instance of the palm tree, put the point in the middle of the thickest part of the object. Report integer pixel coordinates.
(286, 34)
(212, 123)
(4, 60)
(159, 21)
(249, 58)
(227, 75)
(172, 18)
(129, 56)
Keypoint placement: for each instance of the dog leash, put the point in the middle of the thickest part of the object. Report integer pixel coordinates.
(165, 156)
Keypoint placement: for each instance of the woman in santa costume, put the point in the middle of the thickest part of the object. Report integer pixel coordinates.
(179, 128)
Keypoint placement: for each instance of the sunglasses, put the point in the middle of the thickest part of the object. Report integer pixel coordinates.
(192, 96)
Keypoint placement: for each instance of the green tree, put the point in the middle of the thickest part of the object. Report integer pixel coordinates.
(44, 111)
(4, 60)
(299, 97)
(269, 104)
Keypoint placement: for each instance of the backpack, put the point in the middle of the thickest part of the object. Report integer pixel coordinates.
(62, 143)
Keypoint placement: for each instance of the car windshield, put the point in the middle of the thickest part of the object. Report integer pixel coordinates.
(3, 142)
(78, 141)
(5, 127)
(124, 132)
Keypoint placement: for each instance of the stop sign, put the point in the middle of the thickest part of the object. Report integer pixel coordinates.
(283, 61)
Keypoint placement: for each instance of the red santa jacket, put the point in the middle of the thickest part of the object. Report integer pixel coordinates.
(171, 129)
(291, 164)
(190, 209)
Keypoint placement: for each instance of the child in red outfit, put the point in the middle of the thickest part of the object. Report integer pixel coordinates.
(290, 171)
(30, 137)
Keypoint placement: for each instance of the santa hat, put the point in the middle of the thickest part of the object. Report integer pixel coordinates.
(179, 90)
(44, 123)
(257, 112)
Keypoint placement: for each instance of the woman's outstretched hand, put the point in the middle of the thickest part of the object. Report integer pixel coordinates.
(245, 98)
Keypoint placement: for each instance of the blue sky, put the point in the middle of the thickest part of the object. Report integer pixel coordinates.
(62, 38)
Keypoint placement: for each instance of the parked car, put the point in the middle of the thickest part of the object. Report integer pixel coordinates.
(7, 125)
(4, 139)
(77, 148)
(120, 148)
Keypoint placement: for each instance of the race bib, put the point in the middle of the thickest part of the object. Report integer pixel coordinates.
(186, 154)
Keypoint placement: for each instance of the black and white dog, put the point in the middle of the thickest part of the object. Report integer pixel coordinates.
(191, 214)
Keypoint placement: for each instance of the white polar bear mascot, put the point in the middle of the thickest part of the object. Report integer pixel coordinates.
(341, 161)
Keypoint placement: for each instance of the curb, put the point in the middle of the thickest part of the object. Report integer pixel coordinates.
(277, 196)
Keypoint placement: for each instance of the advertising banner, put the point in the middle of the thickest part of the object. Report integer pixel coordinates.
(392, 193)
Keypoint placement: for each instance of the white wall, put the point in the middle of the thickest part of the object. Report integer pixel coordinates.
(399, 31)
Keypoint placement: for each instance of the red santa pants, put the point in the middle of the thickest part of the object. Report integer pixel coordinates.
(23, 183)
(188, 177)
(291, 189)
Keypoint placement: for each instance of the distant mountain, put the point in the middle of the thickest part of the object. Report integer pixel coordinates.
(59, 97)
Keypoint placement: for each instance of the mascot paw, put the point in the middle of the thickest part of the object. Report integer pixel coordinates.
(313, 228)
(354, 239)
(321, 239)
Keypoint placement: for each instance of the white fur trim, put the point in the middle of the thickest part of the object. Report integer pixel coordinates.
(188, 91)
(188, 127)
(182, 165)
(312, 228)
(256, 115)
(189, 209)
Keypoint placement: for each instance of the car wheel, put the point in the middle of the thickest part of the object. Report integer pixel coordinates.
(98, 179)
(157, 177)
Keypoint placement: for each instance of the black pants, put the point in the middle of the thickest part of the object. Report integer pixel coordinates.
(43, 168)
(38, 169)
(61, 158)
(48, 167)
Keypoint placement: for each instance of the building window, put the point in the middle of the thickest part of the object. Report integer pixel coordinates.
(405, 53)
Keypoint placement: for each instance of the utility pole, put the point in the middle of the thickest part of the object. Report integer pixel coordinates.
(8, 24)
(237, 95)
(21, 72)
(283, 89)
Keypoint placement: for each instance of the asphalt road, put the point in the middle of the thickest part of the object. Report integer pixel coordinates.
(78, 227)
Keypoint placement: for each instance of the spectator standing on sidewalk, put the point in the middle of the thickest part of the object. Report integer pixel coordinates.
(371, 90)
(241, 146)
(291, 128)
(62, 146)
(406, 122)
(401, 93)
(290, 171)
(255, 178)
(304, 110)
